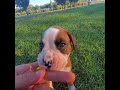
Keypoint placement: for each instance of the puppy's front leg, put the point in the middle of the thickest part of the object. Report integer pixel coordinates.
(71, 86)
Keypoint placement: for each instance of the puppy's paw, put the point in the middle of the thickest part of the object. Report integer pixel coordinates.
(72, 87)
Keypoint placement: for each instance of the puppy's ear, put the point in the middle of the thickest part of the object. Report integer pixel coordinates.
(72, 40)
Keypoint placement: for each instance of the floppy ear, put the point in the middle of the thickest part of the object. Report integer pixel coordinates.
(72, 40)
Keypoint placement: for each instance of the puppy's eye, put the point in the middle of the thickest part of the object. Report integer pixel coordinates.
(62, 45)
(41, 45)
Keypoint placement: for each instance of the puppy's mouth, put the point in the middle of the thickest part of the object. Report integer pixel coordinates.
(58, 63)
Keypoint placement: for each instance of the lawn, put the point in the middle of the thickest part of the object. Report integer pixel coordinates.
(87, 24)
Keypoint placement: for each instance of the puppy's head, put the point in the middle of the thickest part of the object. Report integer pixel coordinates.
(55, 48)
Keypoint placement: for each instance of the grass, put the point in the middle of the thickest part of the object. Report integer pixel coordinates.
(87, 24)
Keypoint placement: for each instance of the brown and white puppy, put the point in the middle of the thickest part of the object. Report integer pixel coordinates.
(56, 46)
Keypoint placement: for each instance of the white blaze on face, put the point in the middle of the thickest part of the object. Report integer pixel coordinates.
(49, 38)
(50, 51)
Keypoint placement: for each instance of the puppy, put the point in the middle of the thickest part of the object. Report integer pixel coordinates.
(55, 48)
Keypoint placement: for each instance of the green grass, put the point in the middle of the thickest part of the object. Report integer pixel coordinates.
(87, 24)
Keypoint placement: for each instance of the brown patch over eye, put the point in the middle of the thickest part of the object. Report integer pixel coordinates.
(62, 42)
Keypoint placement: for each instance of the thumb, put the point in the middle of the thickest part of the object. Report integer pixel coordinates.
(28, 79)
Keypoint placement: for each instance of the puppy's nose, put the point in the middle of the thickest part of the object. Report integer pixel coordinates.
(48, 63)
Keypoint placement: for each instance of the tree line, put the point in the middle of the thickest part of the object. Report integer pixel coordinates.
(24, 8)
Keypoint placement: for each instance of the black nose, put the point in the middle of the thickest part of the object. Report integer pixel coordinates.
(48, 64)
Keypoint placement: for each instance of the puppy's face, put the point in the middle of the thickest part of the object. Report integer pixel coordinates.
(55, 48)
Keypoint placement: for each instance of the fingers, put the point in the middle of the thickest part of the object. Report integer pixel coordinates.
(28, 79)
(20, 69)
(39, 87)
(40, 75)
(24, 80)
(34, 66)
(60, 76)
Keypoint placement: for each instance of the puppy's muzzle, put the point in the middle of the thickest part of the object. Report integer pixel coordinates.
(48, 63)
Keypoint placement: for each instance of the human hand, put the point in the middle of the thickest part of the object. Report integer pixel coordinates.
(26, 77)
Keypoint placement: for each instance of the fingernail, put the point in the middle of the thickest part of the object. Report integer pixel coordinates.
(38, 74)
